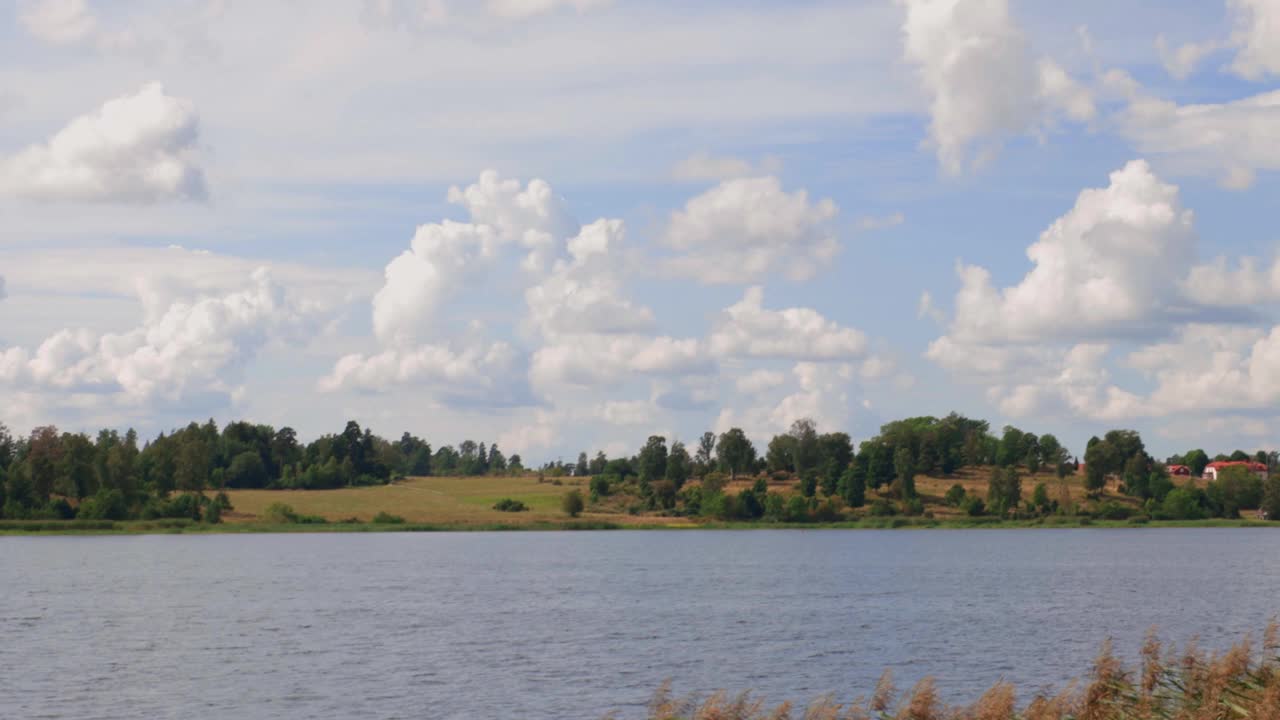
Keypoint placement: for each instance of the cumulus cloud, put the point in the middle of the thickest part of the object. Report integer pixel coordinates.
(60, 22)
(982, 80)
(819, 391)
(582, 294)
(746, 228)
(440, 259)
(1209, 368)
(1077, 383)
(1230, 141)
(1180, 62)
(489, 375)
(137, 148)
(1101, 270)
(599, 361)
(760, 381)
(533, 215)
(747, 329)
(196, 348)
(1257, 35)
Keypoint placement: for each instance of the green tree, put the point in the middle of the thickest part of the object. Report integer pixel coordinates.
(955, 495)
(806, 448)
(904, 474)
(781, 454)
(679, 465)
(247, 471)
(44, 454)
(703, 457)
(1004, 490)
(652, 461)
(582, 467)
(735, 452)
(572, 503)
(1271, 498)
(1196, 460)
(853, 485)
(1040, 499)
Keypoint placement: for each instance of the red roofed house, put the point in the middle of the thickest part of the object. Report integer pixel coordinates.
(1211, 470)
(1179, 470)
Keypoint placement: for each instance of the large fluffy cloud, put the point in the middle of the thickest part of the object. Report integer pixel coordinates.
(1230, 141)
(1109, 267)
(135, 148)
(747, 228)
(582, 294)
(1258, 37)
(195, 348)
(981, 78)
(490, 375)
(747, 329)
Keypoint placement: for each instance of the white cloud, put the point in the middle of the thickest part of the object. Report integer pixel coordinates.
(1230, 141)
(760, 381)
(705, 166)
(1210, 368)
(581, 295)
(441, 258)
(528, 8)
(603, 360)
(194, 350)
(1076, 384)
(533, 215)
(61, 22)
(135, 148)
(1108, 268)
(748, 228)
(1217, 284)
(747, 329)
(868, 223)
(1258, 37)
(820, 392)
(983, 83)
(627, 412)
(486, 375)
(1181, 62)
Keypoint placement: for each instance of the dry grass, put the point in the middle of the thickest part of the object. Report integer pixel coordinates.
(460, 501)
(1193, 685)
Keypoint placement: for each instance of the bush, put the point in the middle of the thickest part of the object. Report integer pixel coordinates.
(955, 495)
(797, 509)
(600, 486)
(973, 506)
(105, 505)
(386, 518)
(509, 505)
(223, 502)
(213, 513)
(280, 514)
(882, 508)
(1111, 510)
(572, 503)
(912, 507)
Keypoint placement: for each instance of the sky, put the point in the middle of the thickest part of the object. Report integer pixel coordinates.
(567, 225)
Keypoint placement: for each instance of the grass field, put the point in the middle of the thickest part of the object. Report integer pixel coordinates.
(451, 501)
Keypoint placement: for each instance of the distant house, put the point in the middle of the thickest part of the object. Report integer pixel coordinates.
(1212, 469)
(1179, 470)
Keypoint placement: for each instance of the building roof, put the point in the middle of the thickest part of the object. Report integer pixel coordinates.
(1254, 466)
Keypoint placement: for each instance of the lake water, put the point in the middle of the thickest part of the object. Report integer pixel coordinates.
(574, 624)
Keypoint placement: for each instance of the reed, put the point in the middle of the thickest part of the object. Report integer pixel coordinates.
(1242, 683)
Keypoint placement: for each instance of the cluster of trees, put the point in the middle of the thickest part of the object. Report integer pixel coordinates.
(53, 474)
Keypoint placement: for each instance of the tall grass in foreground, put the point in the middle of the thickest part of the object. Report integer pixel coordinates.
(1191, 685)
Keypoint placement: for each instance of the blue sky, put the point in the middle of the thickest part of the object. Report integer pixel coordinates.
(387, 211)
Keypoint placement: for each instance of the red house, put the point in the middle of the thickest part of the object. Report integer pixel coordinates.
(1211, 470)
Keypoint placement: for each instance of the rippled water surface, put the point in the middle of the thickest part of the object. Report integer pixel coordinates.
(572, 625)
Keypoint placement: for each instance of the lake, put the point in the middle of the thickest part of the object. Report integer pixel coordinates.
(574, 624)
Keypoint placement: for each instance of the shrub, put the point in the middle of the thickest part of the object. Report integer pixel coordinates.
(223, 502)
(600, 486)
(105, 505)
(213, 513)
(797, 509)
(973, 506)
(572, 503)
(279, 513)
(882, 508)
(1111, 510)
(912, 507)
(829, 511)
(955, 495)
(386, 518)
(509, 505)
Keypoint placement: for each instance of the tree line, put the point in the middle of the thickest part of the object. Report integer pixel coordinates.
(49, 474)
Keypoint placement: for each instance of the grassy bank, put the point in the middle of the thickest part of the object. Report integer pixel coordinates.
(1240, 684)
(140, 527)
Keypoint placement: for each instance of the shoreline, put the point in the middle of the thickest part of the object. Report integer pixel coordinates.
(64, 528)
